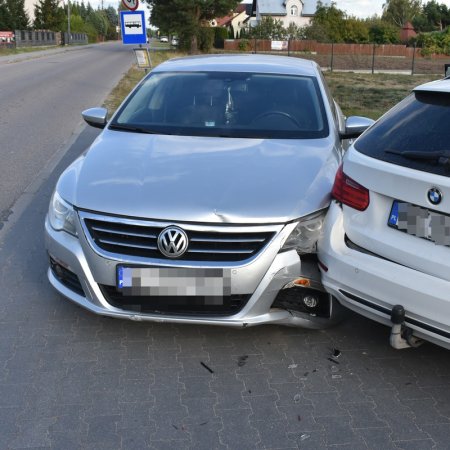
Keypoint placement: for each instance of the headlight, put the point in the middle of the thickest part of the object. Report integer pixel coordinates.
(61, 215)
(305, 235)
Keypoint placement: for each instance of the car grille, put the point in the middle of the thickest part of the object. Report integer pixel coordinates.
(141, 240)
(181, 305)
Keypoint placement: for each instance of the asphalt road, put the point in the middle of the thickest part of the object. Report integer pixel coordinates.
(73, 380)
(41, 98)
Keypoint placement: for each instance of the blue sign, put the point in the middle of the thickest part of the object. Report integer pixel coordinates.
(133, 27)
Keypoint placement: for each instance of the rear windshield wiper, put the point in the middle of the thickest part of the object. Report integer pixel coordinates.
(132, 128)
(440, 157)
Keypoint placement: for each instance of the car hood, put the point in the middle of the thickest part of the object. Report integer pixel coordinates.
(202, 179)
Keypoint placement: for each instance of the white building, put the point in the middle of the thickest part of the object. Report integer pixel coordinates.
(298, 12)
(29, 8)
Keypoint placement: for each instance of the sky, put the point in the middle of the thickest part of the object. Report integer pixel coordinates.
(359, 8)
(367, 8)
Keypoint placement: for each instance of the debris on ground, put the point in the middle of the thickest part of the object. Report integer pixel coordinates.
(335, 353)
(242, 360)
(206, 367)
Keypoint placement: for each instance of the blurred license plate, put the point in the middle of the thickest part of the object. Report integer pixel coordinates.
(173, 281)
(420, 222)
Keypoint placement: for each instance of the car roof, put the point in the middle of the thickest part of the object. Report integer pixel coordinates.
(240, 63)
(434, 86)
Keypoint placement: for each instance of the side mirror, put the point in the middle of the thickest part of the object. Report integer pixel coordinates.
(95, 117)
(355, 126)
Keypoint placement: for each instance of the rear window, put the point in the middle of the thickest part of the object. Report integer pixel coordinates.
(255, 105)
(419, 128)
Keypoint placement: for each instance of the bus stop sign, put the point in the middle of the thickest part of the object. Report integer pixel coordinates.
(133, 27)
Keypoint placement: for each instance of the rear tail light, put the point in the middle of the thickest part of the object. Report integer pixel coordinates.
(349, 192)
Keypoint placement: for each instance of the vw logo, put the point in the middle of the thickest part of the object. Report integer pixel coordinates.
(434, 196)
(172, 242)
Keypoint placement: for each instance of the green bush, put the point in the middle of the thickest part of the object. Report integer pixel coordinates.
(435, 42)
(244, 45)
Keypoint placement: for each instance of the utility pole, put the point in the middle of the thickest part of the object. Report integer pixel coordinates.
(68, 21)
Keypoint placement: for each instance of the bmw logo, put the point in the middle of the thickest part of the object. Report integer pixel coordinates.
(434, 196)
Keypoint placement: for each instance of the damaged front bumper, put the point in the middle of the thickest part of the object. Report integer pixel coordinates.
(274, 288)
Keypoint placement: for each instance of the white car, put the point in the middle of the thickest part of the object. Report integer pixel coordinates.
(164, 39)
(385, 252)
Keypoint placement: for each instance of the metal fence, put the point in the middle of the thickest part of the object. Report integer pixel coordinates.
(348, 57)
(42, 38)
(33, 38)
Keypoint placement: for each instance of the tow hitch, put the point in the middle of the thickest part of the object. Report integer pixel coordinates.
(401, 337)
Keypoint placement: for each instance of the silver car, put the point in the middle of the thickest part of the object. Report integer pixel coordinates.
(203, 198)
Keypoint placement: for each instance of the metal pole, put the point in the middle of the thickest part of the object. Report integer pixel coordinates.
(413, 59)
(373, 59)
(68, 21)
(332, 57)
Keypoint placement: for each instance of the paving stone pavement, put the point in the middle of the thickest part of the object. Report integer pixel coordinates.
(73, 380)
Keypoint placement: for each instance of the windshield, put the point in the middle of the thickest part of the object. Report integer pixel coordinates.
(222, 104)
(413, 134)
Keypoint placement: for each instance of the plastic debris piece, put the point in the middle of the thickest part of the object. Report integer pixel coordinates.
(303, 437)
(333, 360)
(293, 366)
(336, 376)
(336, 353)
(176, 428)
(297, 398)
(306, 374)
(206, 367)
(203, 423)
(299, 418)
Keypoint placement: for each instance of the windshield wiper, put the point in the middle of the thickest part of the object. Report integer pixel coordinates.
(132, 128)
(440, 157)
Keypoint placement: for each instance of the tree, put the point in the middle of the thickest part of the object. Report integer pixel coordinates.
(315, 32)
(434, 16)
(382, 32)
(112, 16)
(18, 16)
(13, 15)
(99, 21)
(48, 15)
(293, 31)
(398, 12)
(268, 28)
(186, 17)
(4, 16)
(332, 20)
(355, 31)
